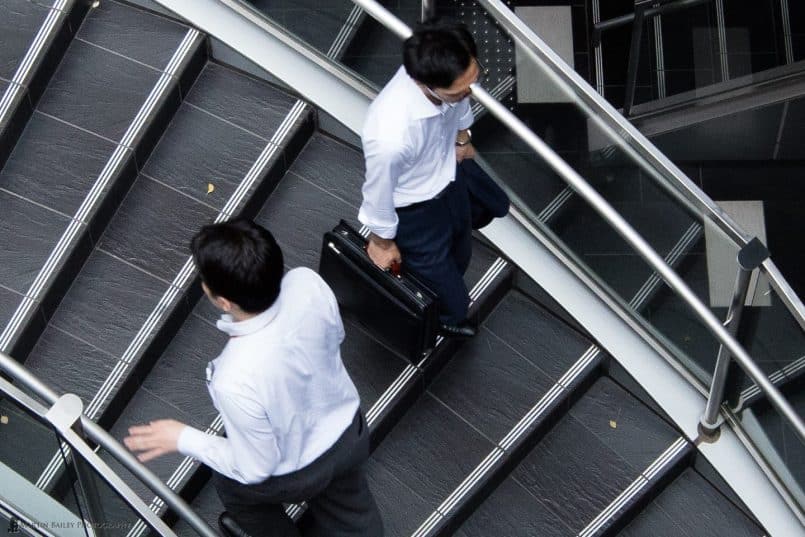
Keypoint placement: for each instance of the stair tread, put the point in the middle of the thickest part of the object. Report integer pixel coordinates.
(490, 385)
(69, 364)
(89, 78)
(241, 100)
(689, 507)
(107, 304)
(429, 452)
(553, 349)
(179, 376)
(20, 21)
(590, 456)
(55, 164)
(315, 23)
(199, 149)
(298, 213)
(9, 301)
(27, 233)
(134, 33)
(152, 228)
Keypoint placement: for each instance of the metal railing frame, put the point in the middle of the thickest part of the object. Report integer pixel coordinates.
(538, 51)
(561, 75)
(620, 130)
(98, 435)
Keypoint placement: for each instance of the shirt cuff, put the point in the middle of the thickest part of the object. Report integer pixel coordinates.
(191, 441)
(384, 232)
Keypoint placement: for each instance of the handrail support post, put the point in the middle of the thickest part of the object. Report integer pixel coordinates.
(428, 9)
(726, 374)
(640, 7)
(65, 414)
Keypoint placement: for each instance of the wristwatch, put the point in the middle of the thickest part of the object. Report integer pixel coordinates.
(467, 141)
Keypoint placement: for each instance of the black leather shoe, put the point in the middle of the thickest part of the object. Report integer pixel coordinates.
(230, 527)
(462, 330)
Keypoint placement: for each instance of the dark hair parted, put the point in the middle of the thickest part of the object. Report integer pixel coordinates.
(438, 52)
(240, 261)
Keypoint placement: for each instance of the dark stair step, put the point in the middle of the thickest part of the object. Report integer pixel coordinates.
(137, 286)
(691, 506)
(35, 36)
(321, 187)
(101, 113)
(461, 427)
(607, 443)
(320, 24)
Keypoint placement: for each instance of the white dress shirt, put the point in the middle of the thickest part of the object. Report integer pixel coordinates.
(280, 385)
(410, 151)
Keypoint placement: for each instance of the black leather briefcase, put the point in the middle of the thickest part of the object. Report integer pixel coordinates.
(397, 309)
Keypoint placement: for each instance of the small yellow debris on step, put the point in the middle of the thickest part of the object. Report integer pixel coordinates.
(613, 424)
(4, 420)
(210, 188)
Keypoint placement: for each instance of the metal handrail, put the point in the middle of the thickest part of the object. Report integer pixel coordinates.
(98, 435)
(522, 34)
(621, 130)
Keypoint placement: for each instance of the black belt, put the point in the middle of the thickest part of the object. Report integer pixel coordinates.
(420, 203)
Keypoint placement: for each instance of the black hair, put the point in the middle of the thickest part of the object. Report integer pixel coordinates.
(240, 261)
(438, 52)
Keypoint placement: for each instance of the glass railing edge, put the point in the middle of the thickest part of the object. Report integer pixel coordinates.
(103, 439)
(691, 194)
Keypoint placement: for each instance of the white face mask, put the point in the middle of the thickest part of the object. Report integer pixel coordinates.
(436, 96)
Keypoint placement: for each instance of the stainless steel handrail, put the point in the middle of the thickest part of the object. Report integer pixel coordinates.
(98, 435)
(522, 33)
(621, 130)
(86, 453)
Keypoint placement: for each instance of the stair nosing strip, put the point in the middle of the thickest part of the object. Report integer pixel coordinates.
(503, 447)
(343, 34)
(35, 49)
(110, 168)
(8, 97)
(613, 507)
(167, 300)
(531, 416)
(638, 484)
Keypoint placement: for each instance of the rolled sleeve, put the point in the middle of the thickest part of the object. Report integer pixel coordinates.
(467, 117)
(383, 166)
(247, 431)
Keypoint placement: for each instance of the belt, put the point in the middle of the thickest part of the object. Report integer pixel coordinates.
(441, 194)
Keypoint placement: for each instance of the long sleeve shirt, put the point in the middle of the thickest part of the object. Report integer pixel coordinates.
(280, 386)
(410, 152)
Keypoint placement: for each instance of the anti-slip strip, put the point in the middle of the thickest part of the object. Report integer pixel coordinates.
(776, 378)
(583, 365)
(559, 389)
(90, 202)
(634, 489)
(174, 292)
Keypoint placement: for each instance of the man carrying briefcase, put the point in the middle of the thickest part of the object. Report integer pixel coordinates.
(416, 205)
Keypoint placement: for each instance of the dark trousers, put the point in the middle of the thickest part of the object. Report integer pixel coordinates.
(435, 242)
(334, 485)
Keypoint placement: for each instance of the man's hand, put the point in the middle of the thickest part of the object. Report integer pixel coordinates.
(155, 439)
(464, 151)
(382, 251)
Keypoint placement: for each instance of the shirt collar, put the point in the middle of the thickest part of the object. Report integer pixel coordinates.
(243, 328)
(420, 106)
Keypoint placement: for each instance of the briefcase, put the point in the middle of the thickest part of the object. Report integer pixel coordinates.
(397, 309)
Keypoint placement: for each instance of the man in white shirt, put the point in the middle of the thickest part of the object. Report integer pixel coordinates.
(417, 128)
(294, 430)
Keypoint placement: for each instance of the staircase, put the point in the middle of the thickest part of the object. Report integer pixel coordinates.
(121, 145)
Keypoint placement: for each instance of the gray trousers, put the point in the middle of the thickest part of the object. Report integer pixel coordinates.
(334, 485)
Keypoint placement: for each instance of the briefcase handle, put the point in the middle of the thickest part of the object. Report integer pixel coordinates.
(395, 268)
